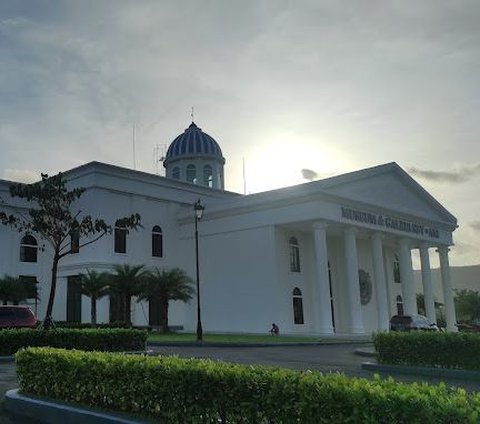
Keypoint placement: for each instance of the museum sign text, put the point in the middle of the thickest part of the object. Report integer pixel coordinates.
(389, 222)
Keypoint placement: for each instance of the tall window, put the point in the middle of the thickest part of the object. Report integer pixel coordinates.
(176, 173)
(191, 174)
(396, 269)
(120, 235)
(297, 306)
(207, 176)
(28, 249)
(331, 292)
(399, 305)
(157, 242)
(294, 255)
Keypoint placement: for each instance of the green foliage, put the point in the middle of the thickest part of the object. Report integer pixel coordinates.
(126, 281)
(174, 390)
(429, 349)
(15, 290)
(11, 340)
(70, 324)
(53, 216)
(467, 304)
(165, 285)
(95, 286)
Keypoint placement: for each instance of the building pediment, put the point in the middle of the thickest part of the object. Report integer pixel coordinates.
(388, 187)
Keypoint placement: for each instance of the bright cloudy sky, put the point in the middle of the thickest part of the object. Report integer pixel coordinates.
(331, 86)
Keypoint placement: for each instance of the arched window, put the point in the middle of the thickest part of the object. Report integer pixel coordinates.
(176, 173)
(207, 176)
(28, 249)
(191, 174)
(120, 235)
(157, 242)
(297, 306)
(396, 269)
(399, 305)
(294, 255)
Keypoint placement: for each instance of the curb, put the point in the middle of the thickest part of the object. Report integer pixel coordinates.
(51, 412)
(219, 344)
(246, 344)
(425, 371)
(370, 353)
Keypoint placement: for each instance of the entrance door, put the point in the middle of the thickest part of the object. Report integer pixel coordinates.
(74, 299)
(154, 313)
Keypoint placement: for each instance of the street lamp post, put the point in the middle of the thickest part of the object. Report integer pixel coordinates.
(198, 208)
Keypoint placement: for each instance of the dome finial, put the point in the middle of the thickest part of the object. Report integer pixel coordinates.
(192, 115)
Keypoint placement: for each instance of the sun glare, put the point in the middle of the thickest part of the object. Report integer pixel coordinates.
(279, 161)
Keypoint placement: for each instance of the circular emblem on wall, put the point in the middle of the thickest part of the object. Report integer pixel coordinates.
(365, 286)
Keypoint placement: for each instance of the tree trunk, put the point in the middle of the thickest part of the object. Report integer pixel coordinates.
(127, 311)
(163, 304)
(53, 286)
(93, 312)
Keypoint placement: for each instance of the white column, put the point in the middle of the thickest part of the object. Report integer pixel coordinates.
(427, 284)
(322, 303)
(406, 274)
(351, 267)
(380, 284)
(447, 288)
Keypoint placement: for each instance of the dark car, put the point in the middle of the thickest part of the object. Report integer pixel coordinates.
(17, 317)
(411, 322)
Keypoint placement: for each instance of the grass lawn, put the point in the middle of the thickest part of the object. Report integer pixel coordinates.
(228, 338)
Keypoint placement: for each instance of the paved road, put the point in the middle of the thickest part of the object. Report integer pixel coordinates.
(324, 358)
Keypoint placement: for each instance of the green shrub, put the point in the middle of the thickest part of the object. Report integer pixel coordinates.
(113, 340)
(429, 349)
(68, 324)
(174, 390)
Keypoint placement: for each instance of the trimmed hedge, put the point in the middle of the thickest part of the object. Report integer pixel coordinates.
(429, 349)
(114, 340)
(174, 390)
(67, 324)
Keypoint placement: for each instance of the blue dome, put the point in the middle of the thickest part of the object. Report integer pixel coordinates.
(193, 142)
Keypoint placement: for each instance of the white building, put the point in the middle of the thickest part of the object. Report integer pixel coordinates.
(324, 257)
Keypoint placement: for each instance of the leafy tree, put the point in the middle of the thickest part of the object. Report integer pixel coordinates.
(94, 285)
(52, 217)
(13, 290)
(126, 281)
(467, 304)
(165, 285)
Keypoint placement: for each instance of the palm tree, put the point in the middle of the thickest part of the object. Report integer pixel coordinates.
(165, 285)
(95, 286)
(126, 282)
(13, 289)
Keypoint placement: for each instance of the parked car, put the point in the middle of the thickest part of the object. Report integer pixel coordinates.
(17, 317)
(411, 322)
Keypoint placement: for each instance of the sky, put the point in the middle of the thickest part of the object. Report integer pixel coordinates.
(325, 86)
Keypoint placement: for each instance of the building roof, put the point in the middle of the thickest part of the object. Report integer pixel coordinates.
(193, 142)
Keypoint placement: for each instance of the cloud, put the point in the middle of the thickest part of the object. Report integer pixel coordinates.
(461, 174)
(309, 174)
(475, 225)
(21, 175)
